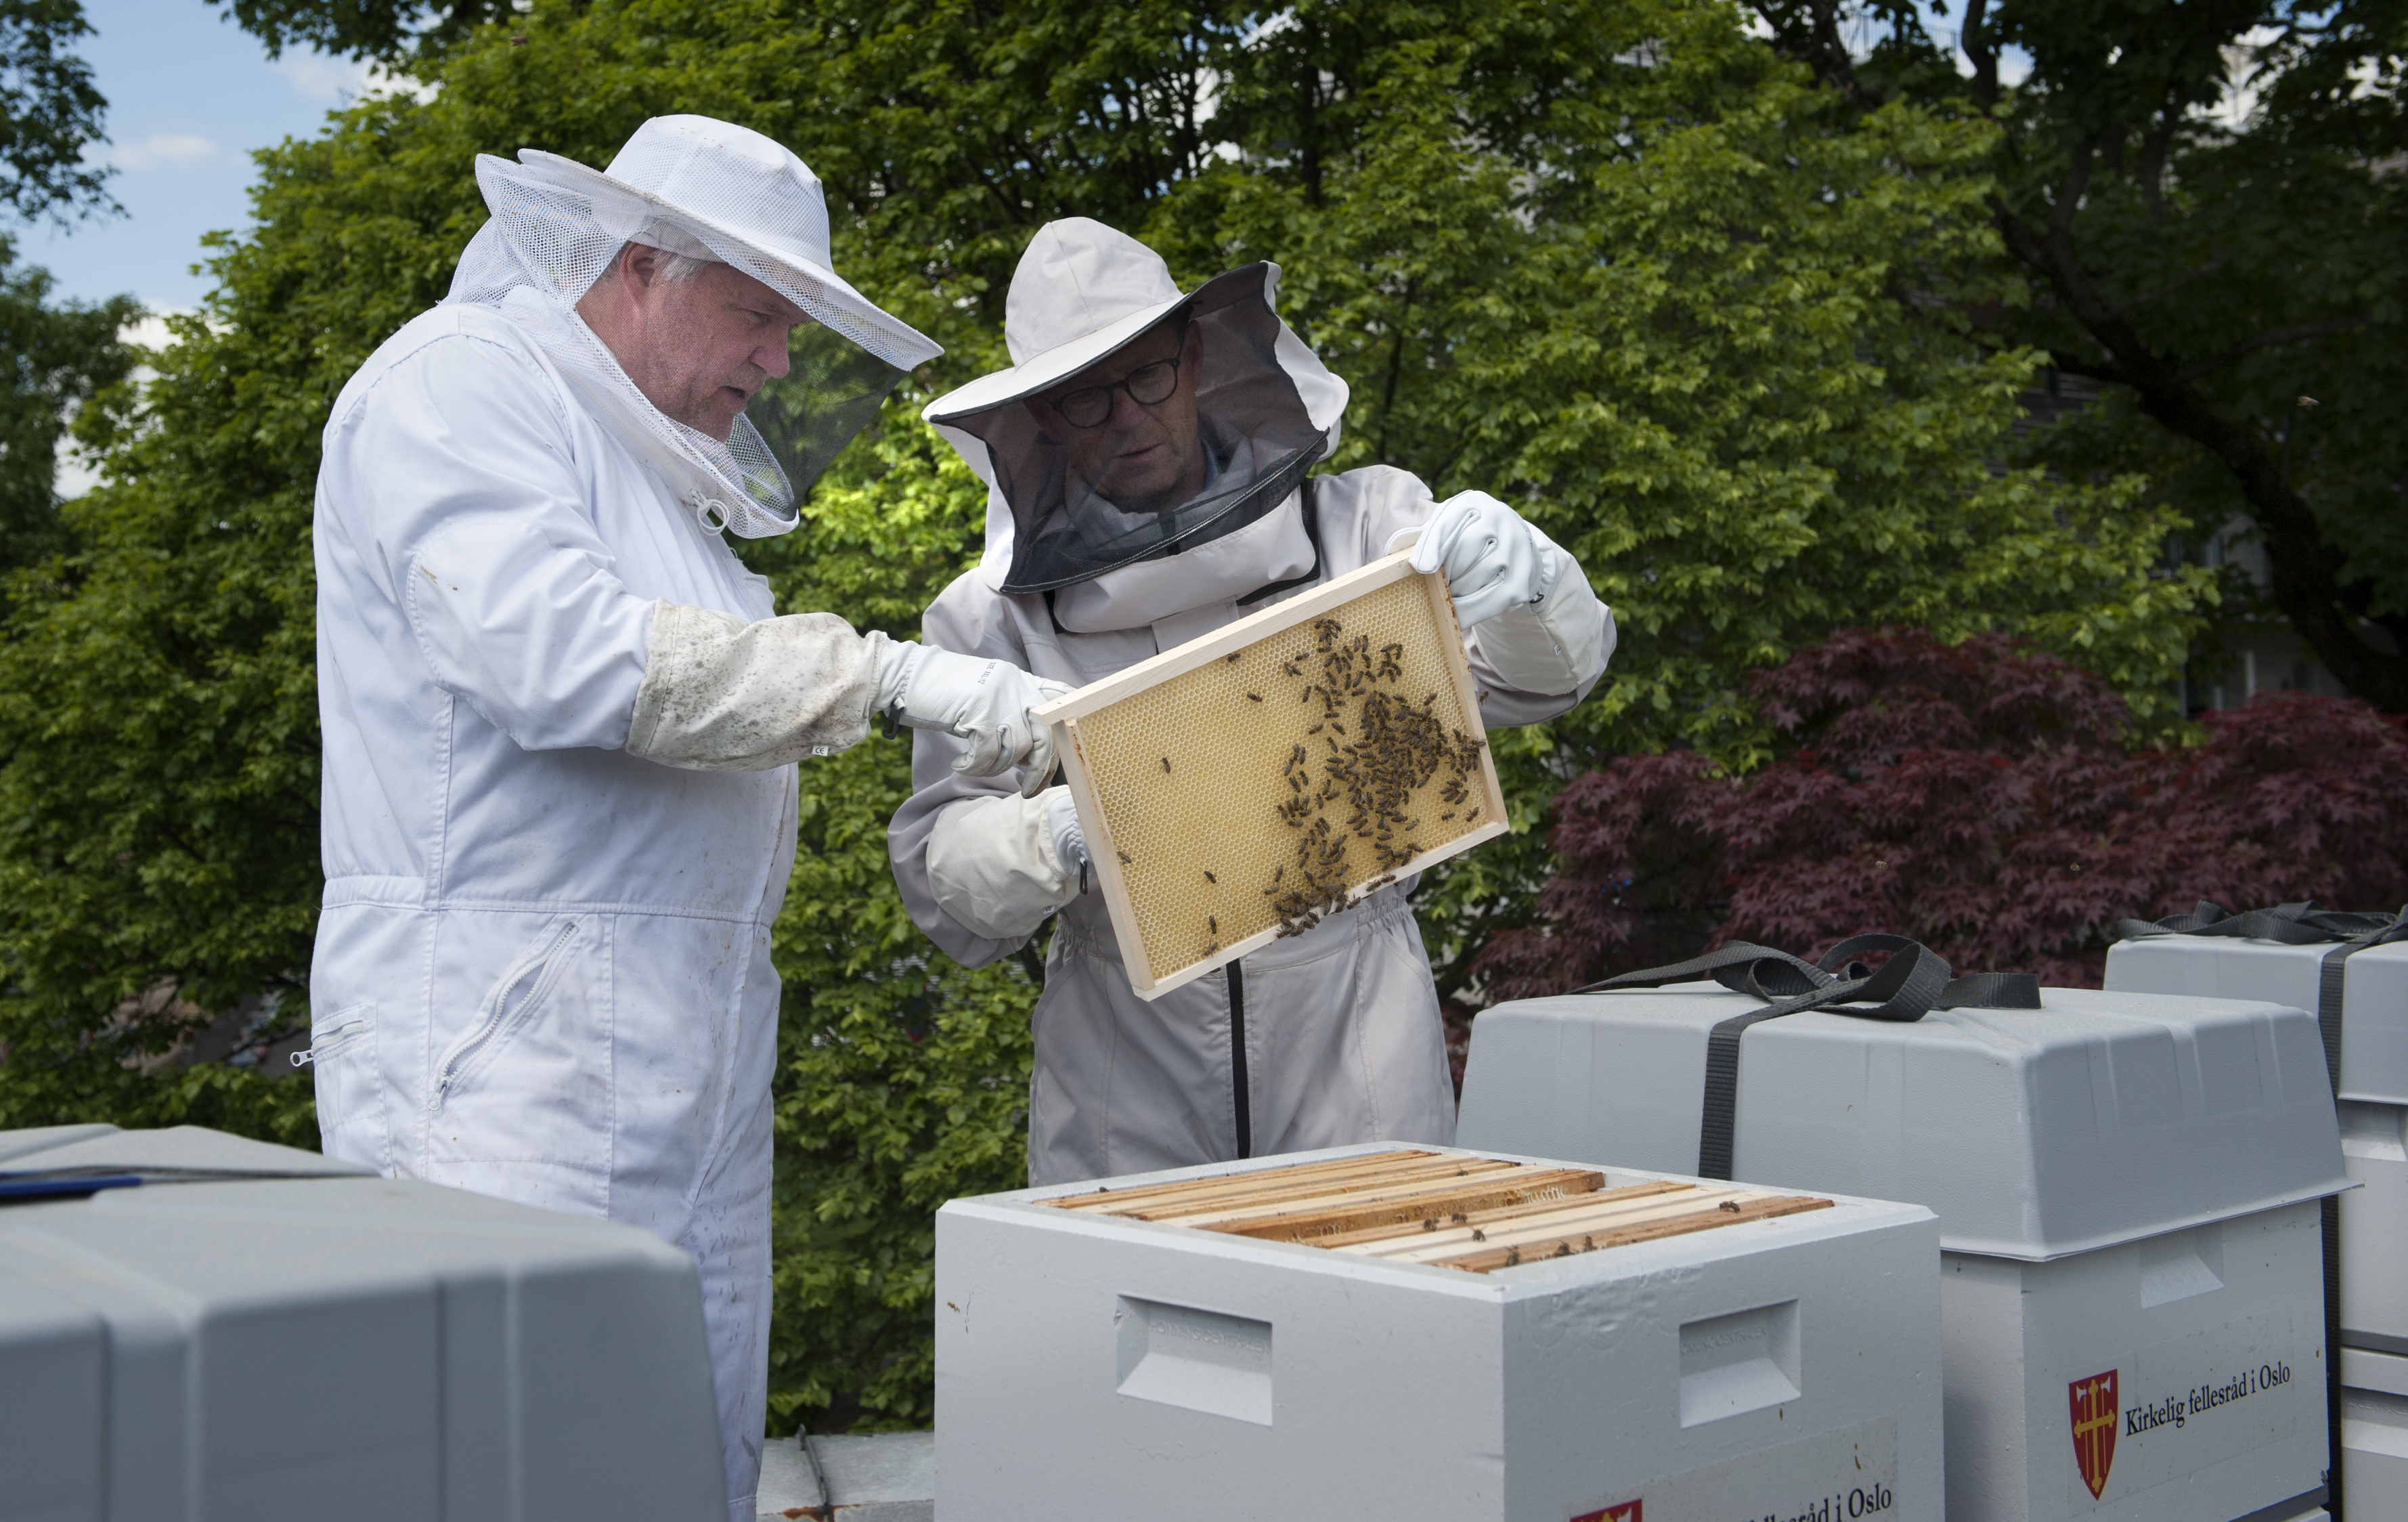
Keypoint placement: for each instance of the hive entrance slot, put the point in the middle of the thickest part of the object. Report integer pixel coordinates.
(1203, 1360)
(1744, 1361)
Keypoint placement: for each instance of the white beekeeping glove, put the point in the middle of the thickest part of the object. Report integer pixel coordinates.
(1541, 627)
(1490, 555)
(972, 697)
(999, 866)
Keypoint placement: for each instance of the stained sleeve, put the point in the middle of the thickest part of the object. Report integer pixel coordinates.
(720, 694)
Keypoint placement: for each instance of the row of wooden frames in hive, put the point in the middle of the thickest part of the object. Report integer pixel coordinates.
(1250, 782)
(1450, 1210)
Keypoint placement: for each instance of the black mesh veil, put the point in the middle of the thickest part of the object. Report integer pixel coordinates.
(810, 414)
(1256, 433)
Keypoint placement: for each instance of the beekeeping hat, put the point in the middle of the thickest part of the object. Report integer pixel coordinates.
(1266, 408)
(709, 189)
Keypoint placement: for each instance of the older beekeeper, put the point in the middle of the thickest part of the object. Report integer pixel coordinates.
(1146, 457)
(562, 719)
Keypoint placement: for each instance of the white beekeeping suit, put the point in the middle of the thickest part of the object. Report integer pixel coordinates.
(561, 719)
(1323, 1039)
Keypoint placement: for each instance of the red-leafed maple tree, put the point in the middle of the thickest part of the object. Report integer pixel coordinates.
(1978, 798)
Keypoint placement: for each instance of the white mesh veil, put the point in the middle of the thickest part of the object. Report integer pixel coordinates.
(709, 190)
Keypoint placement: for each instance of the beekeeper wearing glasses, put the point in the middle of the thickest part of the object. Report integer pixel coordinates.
(561, 720)
(1146, 458)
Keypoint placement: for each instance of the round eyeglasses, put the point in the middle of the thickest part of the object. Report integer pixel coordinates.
(1148, 385)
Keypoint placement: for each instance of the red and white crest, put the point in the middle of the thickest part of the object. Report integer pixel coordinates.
(2096, 1416)
(1627, 1512)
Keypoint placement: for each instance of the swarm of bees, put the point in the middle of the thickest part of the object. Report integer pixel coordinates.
(1393, 747)
(1377, 749)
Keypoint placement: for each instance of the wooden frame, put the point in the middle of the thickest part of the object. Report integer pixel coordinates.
(1447, 1209)
(1065, 715)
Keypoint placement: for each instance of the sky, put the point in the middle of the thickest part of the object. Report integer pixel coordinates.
(189, 97)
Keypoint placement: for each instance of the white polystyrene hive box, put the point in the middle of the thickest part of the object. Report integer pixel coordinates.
(314, 1341)
(2373, 1091)
(1090, 1366)
(2124, 1184)
(2375, 1432)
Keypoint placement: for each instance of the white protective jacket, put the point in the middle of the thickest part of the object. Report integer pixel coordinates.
(542, 970)
(1325, 1039)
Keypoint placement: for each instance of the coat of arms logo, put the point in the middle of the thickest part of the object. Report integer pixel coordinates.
(2096, 1414)
(1627, 1512)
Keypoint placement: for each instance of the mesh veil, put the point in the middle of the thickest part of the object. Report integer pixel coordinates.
(546, 244)
(1255, 427)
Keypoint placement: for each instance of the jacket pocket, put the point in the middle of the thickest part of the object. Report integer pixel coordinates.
(351, 1090)
(503, 1013)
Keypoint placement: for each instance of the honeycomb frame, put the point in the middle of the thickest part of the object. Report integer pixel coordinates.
(1154, 756)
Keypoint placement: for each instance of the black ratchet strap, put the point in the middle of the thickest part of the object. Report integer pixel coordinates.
(1910, 984)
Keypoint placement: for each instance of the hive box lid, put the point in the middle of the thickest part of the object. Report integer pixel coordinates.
(305, 1339)
(43, 1138)
(2374, 994)
(2033, 1134)
(175, 1149)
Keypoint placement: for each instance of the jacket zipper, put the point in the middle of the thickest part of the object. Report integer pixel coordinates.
(498, 1015)
(334, 1042)
(1239, 1086)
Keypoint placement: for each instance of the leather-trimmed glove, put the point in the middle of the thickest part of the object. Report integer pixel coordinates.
(972, 697)
(1494, 560)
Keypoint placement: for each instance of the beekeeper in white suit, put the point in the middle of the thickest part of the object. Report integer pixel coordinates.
(561, 720)
(1146, 457)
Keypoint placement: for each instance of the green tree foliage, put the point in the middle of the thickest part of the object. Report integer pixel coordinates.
(1710, 328)
(49, 111)
(57, 357)
(2207, 202)
(1618, 264)
(382, 30)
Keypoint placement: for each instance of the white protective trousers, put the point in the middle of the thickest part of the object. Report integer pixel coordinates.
(1324, 1039)
(542, 970)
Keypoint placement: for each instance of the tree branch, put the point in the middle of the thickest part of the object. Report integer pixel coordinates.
(1395, 367)
(2069, 201)
(1975, 42)
(2154, 149)
(2305, 570)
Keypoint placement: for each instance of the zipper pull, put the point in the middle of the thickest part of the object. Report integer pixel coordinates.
(301, 1058)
